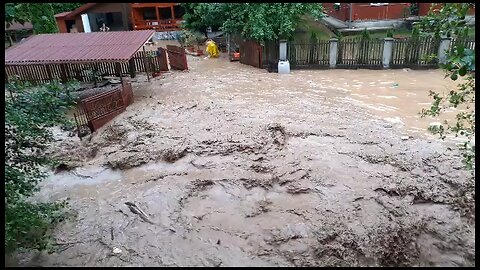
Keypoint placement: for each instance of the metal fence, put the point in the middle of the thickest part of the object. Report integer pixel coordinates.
(360, 53)
(355, 53)
(415, 53)
(308, 55)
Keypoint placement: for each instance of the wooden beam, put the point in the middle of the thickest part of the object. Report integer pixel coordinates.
(145, 61)
(131, 66)
(64, 73)
(49, 72)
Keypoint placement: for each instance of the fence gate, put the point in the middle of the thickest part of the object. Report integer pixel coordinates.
(177, 57)
(251, 53)
(95, 111)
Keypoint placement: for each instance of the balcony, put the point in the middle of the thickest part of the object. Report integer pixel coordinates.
(158, 25)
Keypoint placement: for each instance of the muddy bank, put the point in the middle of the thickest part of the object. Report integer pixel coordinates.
(235, 166)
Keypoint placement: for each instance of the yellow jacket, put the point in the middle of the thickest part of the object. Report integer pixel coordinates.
(212, 49)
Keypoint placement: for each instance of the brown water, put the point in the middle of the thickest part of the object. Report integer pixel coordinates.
(236, 166)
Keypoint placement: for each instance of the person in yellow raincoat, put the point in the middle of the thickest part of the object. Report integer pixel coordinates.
(212, 49)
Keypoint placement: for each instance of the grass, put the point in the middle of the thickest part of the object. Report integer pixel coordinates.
(383, 34)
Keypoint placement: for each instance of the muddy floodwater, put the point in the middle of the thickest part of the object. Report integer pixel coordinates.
(234, 166)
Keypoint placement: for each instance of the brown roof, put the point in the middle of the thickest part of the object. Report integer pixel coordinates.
(72, 14)
(63, 14)
(15, 26)
(77, 47)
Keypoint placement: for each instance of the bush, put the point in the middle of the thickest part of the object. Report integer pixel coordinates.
(28, 114)
(365, 34)
(390, 33)
(190, 38)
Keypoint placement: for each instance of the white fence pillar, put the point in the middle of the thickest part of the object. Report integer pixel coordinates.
(443, 50)
(333, 52)
(283, 50)
(387, 52)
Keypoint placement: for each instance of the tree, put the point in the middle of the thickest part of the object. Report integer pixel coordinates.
(14, 13)
(28, 114)
(41, 15)
(256, 21)
(42, 18)
(449, 21)
(200, 16)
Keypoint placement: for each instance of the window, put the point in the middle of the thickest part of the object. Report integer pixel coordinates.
(179, 11)
(149, 14)
(165, 13)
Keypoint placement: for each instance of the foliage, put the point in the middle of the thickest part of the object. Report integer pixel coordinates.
(390, 33)
(41, 15)
(450, 21)
(365, 34)
(190, 38)
(414, 9)
(15, 13)
(256, 21)
(42, 18)
(200, 16)
(63, 7)
(28, 114)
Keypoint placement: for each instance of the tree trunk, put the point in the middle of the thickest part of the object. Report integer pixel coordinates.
(10, 40)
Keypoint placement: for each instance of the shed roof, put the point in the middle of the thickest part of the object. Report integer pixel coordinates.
(73, 13)
(117, 46)
(15, 26)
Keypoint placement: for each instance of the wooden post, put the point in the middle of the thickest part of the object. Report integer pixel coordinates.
(145, 62)
(118, 67)
(64, 73)
(49, 72)
(158, 16)
(95, 74)
(131, 66)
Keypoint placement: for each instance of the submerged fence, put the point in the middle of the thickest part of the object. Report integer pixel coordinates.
(424, 52)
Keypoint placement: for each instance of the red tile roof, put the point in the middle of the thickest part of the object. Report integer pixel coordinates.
(118, 46)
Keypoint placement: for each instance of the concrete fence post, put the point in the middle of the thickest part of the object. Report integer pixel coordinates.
(283, 50)
(333, 52)
(387, 52)
(443, 50)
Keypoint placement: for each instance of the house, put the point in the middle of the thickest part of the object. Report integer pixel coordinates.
(158, 16)
(17, 31)
(367, 11)
(377, 11)
(121, 17)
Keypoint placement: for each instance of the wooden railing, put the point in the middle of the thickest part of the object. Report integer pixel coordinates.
(170, 24)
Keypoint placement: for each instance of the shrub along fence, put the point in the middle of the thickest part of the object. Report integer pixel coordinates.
(415, 53)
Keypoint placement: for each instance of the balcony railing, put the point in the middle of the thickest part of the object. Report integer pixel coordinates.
(168, 24)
